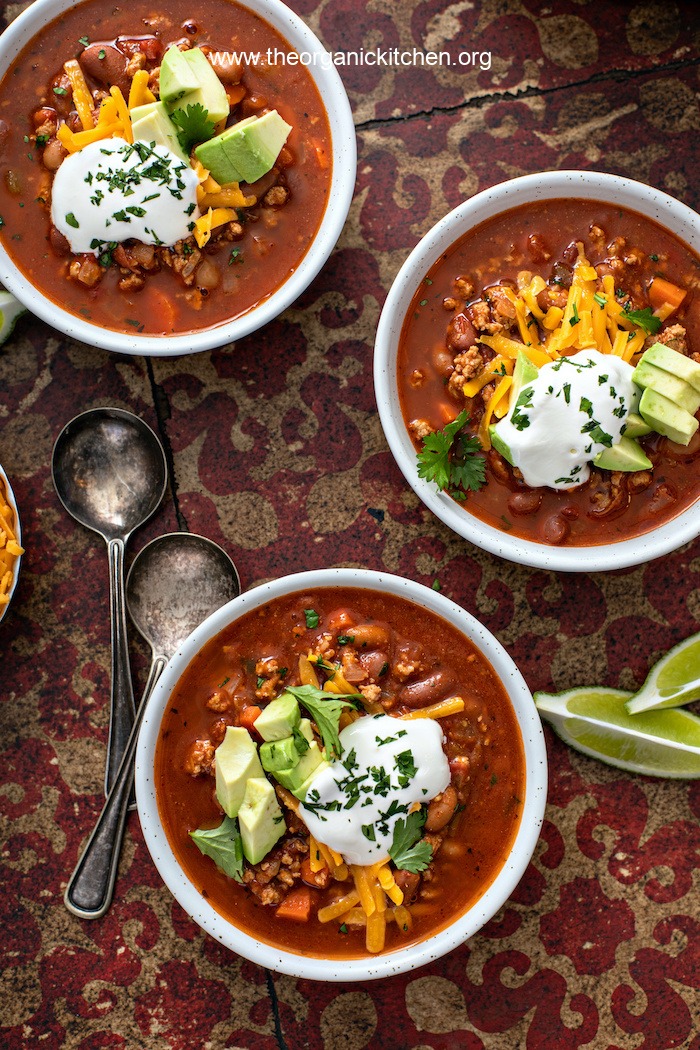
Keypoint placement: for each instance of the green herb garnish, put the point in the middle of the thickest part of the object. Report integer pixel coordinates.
(645, 318)
(325, 709)
(72, 221)
(194, 125)
(223, 845)
(407, 853)
(311, 617)
(451, 460)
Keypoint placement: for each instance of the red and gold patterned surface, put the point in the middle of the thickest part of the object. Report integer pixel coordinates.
(278, 454)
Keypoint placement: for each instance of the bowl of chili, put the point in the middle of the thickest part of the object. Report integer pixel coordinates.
(412, 711)
(189, 261)
(11, 549)
(573, 270)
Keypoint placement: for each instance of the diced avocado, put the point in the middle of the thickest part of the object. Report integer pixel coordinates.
(279, 754)
(177, 76)
(208, 91)
(675, 389)
(306, 730)
(154, 125)
(499, 444)
(246, 151)
(666, 418)
(279, 719)
(636, 427)
(293, 777)
(524, 372)
(260, 819)
(235, 762)
(301, 791)
(671, 361)
(625, 455)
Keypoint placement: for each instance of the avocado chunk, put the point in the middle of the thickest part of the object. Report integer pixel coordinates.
(675, 389)
(625, 455)
(151, 123)
(279, 754)
(499, 444)
(260, 819)
(279, 719)
(523, 373)
(177, 77)
(191, 81)
(301, 791)
(246, 151)
(667, 418)
(307, 765)
(235, 762)
(672, 361)
(636, 427)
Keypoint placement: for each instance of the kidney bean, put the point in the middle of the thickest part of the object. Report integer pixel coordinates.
(58, 242)
(441, 809)
(525, 502)
(108, 70)
(226, 66)
(555, 529)
(460, 333)
(537, 248)
(443, 361)
(427, 690)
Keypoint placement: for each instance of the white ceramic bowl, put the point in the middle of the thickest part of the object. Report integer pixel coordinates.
(335, 100)
(548, 185)
(7, 488)
(393, 962)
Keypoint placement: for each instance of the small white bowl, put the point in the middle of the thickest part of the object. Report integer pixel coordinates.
(7, 488)
(467, 924)
(547, 185)
(344, 150)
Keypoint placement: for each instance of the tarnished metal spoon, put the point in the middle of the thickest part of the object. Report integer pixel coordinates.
(110, 474)
(175, 582)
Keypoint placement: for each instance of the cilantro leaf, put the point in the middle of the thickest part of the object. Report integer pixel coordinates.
(224, 845)
(645, 318)
(325, 709)
(451, 460)
(407, 853)
(194, 125)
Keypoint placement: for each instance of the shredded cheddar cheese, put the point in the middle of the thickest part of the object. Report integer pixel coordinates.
(10, 549)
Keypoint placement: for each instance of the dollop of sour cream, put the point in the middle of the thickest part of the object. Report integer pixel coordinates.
(112, 190)
(576, 407)
(386, 766)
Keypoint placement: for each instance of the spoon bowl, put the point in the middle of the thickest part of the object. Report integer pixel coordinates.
(110, 473)
(175, 582)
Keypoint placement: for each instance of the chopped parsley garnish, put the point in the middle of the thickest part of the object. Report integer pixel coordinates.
(224, 845)
(345, 639)
(645, 318)
(60, 91)
(194, 125)
(83, 41)
(138, 212)
(586, 407)
(101, 54)
(236, 256)
(369, 832)
(600, 299)
(519, 419)
(72, 221)
(311, 617)
(41, 140)
(450, 459)
(574, 319)
(383, 670)
(226, 679)
(567, 392)
(407, 853)
(654, 257)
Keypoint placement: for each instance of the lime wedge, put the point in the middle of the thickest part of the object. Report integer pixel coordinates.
(595, 721)
(10, 310)
(672, 681)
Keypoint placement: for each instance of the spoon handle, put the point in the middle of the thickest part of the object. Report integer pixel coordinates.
(122, 701)
(90, 889)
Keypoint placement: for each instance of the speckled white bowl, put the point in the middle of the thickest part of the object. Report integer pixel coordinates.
(330, 87)
(395, 962)
(547, 185)
(5, 484)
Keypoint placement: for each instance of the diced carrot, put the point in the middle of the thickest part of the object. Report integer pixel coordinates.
(161, 311)
(248, 716)
(662, 292)
(321, 155)
(296, 905)
(310, 876)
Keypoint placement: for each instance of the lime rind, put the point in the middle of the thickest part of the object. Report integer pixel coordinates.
(10, 311)
(673, 680)
(652, 745)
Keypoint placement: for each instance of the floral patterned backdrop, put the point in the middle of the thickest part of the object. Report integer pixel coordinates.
(277, 453)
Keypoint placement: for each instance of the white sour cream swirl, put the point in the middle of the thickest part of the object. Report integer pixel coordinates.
(111, 191)
(576, 407)
(387, 765)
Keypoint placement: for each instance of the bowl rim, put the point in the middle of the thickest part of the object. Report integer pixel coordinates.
(18, 533)
(301, 38)
(404, 959)
(595, 185)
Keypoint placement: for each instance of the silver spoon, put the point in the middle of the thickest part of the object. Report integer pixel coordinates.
(175, 582)
(110, 474)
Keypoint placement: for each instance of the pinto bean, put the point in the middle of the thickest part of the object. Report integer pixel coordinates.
(555, 529)
(427, 690)
(526, 502)
(408, 882)
(54, 155)
(369, 636)
(441, 809)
